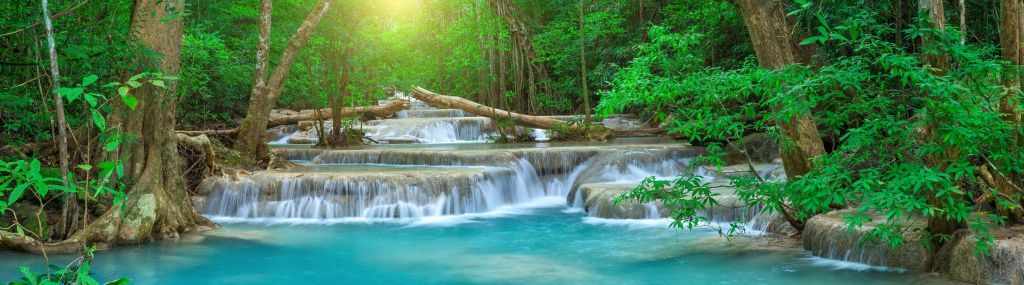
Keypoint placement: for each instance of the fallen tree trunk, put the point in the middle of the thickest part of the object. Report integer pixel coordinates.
(380, 111)
(443, 101)
(208, 132)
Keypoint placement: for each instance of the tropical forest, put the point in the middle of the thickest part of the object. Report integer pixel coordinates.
(511, 142)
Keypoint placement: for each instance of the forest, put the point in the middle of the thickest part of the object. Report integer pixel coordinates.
(521, 141)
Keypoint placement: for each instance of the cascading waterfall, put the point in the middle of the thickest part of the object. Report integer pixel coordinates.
(373, 184)
(400, 194)
(433, 129)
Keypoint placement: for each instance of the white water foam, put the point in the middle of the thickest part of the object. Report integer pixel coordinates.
(283, 140)
(628, 223)
(849, 265)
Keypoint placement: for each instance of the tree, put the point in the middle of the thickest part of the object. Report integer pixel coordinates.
(583, 68)
(70, 208)
(1012, 43)
(157, 204)
(774, 40)
(250, 134)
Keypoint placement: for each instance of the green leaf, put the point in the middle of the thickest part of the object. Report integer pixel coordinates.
(35, 165)
(123, 90)
(130, 101)
(89, 80)
(69, 93)
(92, 99)
(137, 77)
(133, 84)
(158, 83)
(119, 281)
(85, 167)
(99, 120)
(17, 193)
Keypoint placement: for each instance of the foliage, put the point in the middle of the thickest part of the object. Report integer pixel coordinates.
(78, 272)
(908, 138)
(578, 129)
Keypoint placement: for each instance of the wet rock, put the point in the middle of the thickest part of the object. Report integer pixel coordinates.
(1004, 265)
(828, 236)
(276, 133)
(28, 216)
(599, 201)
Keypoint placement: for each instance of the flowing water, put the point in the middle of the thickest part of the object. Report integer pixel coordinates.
(522, 245)
(448, 210)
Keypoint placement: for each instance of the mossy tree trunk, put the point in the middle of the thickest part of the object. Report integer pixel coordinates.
(775, 42)
(773, 35)
(157, 204)
(1011, 35)
(939, 63)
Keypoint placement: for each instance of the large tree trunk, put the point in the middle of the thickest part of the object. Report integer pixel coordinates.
(378, 111)
(774, 39)
(443, 101)
(773, 35)
(1012, 42)
(939, 63)
(157, 204)
(530, 70)
(251, 142)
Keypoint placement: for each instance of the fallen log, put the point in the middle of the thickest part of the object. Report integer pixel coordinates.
(444, 101)
(208, 132)
(386, 110)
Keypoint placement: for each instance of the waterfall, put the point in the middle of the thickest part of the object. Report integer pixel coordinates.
(432, 177)
(433, 129)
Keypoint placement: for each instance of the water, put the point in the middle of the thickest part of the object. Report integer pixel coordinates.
(447, 209)
(531, 246)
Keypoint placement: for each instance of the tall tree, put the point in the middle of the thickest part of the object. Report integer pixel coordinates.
(939, 63)
(251, 142)
(70, 207)
(530, 74)
(1011, 41)
(583, 66)
(773, 35)
(157, 204)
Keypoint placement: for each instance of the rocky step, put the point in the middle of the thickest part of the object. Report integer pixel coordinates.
(599, 201)
(829, 236)
(365, 191)
(601, 159)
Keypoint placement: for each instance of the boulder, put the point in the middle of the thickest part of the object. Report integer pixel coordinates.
(34, 225)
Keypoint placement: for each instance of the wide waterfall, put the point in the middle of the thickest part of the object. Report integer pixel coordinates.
(443, 173)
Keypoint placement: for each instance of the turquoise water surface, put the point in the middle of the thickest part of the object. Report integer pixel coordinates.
(545, 244)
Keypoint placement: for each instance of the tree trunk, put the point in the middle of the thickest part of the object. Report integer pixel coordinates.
(774, 39)
(251, 142)
(379, 111)
(1012, 42)
(259, 81)
(937, 19)
(157, 204)
(583, 67)
(69, 211)
(527, 62)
